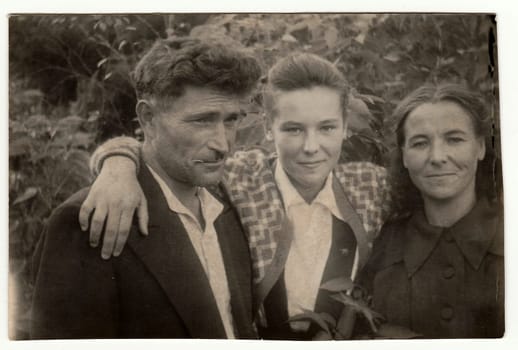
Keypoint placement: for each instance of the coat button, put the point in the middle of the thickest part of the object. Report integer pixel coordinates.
(446, 313)
(344, 251)
(448, 237)
(448, 272)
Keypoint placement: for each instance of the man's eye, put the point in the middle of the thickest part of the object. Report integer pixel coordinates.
(231, 121)
(204, 121)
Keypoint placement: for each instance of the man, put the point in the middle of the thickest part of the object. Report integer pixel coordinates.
(192, 276)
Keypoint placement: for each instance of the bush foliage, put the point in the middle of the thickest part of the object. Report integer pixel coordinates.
(70, 89)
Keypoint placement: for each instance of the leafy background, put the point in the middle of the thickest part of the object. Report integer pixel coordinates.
(69, 89)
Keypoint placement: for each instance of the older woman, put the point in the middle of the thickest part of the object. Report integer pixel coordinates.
(440, 270)
(308, 219)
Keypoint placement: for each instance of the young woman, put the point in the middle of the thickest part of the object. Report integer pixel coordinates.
(440, 270)
(308, 219)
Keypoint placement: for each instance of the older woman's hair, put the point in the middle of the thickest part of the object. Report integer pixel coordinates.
(406, 195)
(302, 71)
(171, 65)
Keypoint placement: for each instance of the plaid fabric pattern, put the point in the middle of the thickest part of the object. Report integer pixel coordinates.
(252, 190)
(366, 186)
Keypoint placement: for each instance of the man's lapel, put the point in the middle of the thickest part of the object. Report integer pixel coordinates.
(170, 257)
(236, 258)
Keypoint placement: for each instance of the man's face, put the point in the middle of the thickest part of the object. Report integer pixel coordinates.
(190, 137)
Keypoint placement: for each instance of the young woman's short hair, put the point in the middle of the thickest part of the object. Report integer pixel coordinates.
(302, 71)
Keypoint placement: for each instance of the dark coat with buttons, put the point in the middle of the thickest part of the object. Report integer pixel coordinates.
(156, 288)
(441, 283)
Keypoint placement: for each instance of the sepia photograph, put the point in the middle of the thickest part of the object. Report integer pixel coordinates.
(288, 176)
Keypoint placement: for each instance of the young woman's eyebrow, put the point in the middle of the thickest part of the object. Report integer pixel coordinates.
(329, 121)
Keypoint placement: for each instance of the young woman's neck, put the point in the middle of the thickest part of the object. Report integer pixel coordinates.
(445, 213)
(307, 193)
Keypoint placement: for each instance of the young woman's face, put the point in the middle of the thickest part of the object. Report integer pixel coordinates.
(441, 150)
(308, 131)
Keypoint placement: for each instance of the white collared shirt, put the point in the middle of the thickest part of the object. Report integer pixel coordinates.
(206, 245)
(312, 236)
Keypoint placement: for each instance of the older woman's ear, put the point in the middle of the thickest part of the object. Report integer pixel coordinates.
(482, 150)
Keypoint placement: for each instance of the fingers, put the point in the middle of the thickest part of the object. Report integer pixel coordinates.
(97, 224)
(143, 217)
(110, 234)
(124, 229)
(84, 214)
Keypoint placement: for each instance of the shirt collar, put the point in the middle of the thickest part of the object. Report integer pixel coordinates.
(211, 207)
(476, 234)
(291, 196)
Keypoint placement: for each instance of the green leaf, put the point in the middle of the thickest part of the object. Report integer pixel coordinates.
(390, 331)
(339, 284)
(372, 316)
(309, 315)
(289, 38)
(28, 194)
(330, 320)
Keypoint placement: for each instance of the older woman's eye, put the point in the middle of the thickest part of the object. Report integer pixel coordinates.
(418, 144)
(454, 140)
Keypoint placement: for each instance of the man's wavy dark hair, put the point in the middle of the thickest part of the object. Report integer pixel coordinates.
(171, 65)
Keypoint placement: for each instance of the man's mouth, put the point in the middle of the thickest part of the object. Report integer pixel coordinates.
(217, 159)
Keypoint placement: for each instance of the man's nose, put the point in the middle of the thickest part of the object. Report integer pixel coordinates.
(310, 142)
(221, 139)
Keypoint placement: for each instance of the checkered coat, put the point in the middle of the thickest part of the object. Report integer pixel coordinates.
(362, 194)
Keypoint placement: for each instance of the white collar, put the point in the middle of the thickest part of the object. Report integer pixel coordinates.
(211, 207)
(291, 196)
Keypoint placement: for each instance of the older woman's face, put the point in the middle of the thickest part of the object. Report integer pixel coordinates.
(308, 131)
(441, 150)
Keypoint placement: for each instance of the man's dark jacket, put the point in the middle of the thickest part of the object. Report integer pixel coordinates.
(156, 288)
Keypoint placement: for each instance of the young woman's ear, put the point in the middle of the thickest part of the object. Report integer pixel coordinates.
(267, 125)
(346, 129)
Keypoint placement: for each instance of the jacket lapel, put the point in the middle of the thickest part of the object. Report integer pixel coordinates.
(353, 220)
(171, 259)
(283, 237)
(236, 257)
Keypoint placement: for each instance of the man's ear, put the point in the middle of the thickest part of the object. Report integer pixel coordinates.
(145, 112)
(146, 117)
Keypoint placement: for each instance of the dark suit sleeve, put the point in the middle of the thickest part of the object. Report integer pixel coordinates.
(75, 290)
